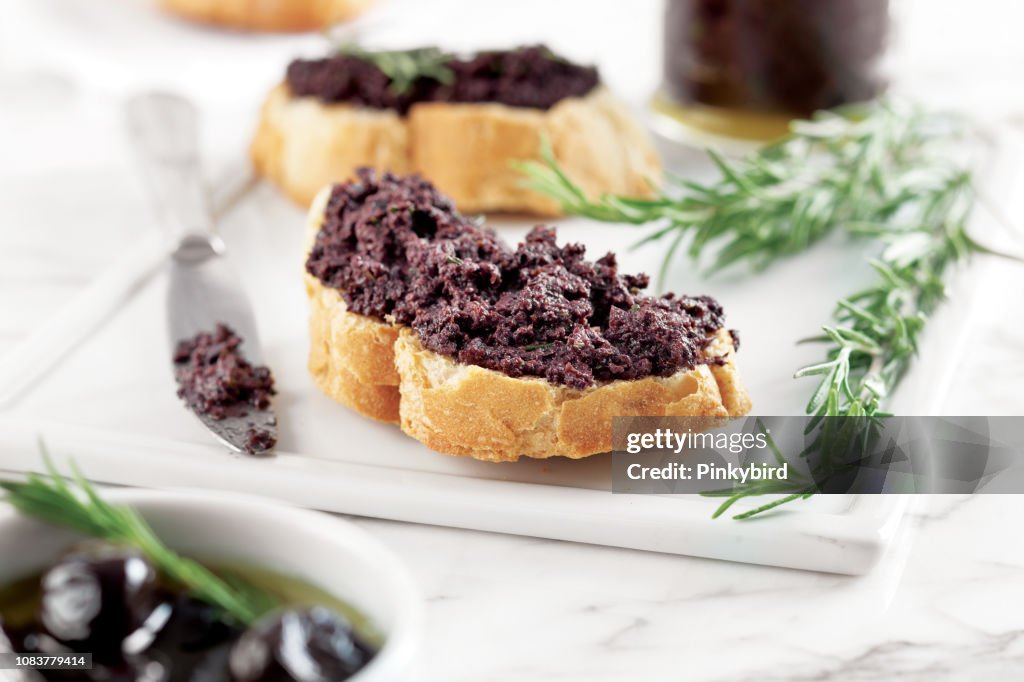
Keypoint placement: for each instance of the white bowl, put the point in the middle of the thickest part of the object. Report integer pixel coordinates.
(325, 551)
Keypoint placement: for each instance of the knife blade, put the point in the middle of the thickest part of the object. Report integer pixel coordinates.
(203, 291)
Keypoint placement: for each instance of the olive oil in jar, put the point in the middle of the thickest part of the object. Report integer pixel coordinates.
(745, 68)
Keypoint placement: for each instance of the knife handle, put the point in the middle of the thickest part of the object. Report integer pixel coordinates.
(164, 130)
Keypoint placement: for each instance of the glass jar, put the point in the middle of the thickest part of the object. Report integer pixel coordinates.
(745, 68)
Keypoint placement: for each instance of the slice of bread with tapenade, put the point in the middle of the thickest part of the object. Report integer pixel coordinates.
(421, 316)
(462, 132)
(268, 15)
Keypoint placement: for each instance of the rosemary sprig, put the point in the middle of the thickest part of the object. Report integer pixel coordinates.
(882, 171)
(75, 504)
(405, 67)
(876, 332)
(857, 167)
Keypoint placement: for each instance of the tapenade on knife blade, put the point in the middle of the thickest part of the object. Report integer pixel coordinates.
(218, 383)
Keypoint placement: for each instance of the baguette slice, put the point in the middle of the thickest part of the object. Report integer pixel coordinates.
(268, 15)
(302, 144)
(382, 371)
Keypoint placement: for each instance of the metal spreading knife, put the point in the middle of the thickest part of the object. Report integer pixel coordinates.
(203, 291)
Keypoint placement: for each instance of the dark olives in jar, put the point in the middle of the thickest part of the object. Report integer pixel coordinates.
(773, 57)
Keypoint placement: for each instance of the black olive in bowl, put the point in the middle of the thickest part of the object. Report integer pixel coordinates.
(310, 645)
(95, 597)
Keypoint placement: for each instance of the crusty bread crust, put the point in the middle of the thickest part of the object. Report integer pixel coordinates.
(471, 411)
(465, 150)
(381, 370)
(351, 356)
(268, 15)
(302, 144)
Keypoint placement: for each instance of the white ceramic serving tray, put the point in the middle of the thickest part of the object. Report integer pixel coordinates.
(110, 405)
(95, 381)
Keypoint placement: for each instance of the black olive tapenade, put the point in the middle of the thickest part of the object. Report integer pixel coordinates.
(531, 77)
(216, 380)
(397, 250)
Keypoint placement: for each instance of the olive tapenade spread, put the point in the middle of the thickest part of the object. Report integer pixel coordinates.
(216, 380)
(397, 250)
(532, 77)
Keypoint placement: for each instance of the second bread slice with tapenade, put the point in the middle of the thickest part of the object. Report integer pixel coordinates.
(421, 316)
(335, 114)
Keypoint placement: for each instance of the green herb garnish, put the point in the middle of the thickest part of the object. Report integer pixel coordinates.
(883, 171)
(75, 504)
(405, 67)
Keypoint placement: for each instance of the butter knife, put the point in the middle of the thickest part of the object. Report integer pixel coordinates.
(203, 291)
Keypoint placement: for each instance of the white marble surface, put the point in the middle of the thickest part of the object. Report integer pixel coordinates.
(947, 604)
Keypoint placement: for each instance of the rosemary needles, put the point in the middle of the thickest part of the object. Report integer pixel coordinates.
(887, 171)
(76, 505)
(404, 67)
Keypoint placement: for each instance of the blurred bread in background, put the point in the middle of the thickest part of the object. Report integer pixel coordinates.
(268, 15)
(460, 121)
(466, 149)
